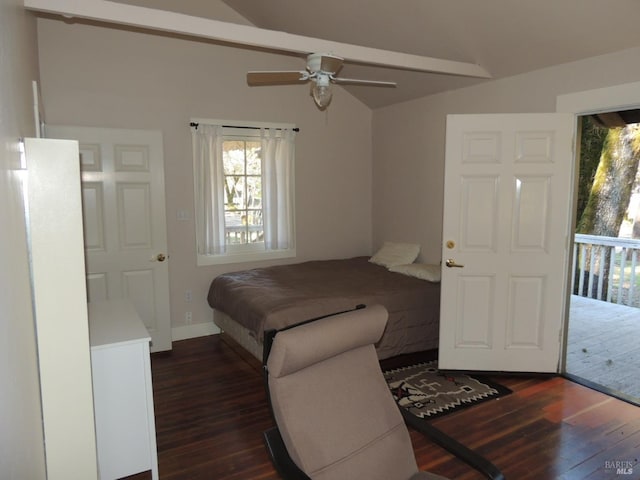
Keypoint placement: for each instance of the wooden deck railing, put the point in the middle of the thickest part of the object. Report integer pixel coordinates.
(606, 268)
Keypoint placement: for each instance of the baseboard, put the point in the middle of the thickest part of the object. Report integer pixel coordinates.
(185, 332)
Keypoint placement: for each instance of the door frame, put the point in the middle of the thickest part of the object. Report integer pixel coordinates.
(607, 99)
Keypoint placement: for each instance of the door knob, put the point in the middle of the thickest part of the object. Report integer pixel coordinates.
(451, 263)
(161, 257)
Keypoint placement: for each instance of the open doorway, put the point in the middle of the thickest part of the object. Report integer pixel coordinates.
(604, 319)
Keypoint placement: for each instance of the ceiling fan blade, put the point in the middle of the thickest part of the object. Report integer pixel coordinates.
(330, 64)
(276, 78)
(355, 81)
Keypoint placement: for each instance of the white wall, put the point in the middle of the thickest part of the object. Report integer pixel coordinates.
(99, 76)
(21, 437)
(408, 140)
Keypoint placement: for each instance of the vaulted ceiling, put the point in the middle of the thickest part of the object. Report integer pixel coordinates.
(505, 37)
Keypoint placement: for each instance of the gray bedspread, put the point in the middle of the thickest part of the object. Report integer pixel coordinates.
(274, 297)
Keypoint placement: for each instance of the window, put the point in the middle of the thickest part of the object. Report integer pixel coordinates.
(244, 191)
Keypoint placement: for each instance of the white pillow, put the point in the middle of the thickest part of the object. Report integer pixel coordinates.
(396, 254)
(431, 273)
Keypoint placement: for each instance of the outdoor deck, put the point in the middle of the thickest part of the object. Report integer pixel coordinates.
(604, 344)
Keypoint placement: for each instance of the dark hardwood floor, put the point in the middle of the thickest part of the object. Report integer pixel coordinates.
(211, 411)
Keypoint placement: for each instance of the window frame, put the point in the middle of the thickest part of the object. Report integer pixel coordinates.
(251, 252)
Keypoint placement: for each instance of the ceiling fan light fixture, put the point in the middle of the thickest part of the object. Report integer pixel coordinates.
(321, 71)
(321, 91)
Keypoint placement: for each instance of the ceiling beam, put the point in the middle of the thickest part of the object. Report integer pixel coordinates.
(160, 20)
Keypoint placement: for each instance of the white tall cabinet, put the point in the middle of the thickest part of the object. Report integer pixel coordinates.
(51, 182)
(122, 390)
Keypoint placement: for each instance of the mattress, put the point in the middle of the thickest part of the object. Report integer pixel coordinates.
(275, 297)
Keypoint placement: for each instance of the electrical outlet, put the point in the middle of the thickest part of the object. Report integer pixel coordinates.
(188, 296)
(188, 317)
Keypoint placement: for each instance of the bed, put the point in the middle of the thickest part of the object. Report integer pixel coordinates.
(247, 303)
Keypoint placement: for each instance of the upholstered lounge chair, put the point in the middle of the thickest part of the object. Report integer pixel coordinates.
(335, 416)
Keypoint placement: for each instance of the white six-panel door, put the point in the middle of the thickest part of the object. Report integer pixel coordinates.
(124, 221)
(505, 235)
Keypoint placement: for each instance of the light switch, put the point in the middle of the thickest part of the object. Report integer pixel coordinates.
(184, 215)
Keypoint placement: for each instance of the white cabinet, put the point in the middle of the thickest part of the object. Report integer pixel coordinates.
(122, 390)
(54, 222)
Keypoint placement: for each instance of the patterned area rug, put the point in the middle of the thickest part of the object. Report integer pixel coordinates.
(426, 393)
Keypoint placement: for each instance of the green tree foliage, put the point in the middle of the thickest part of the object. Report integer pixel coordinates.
(613, 182)
(611, 186)
(591, 141)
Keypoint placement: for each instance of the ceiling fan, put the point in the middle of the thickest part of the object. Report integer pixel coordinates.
(322, 70)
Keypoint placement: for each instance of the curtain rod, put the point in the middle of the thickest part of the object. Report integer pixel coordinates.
(194, 124)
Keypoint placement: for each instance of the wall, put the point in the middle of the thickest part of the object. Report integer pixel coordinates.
(99, 76)
(21, 436)
(408, 140)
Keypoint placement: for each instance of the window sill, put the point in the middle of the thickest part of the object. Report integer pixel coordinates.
(207, 260)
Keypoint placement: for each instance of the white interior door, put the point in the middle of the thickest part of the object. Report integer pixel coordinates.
(508, 184)
(125, 221)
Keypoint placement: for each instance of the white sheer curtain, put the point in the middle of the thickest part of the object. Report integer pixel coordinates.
(277, 152)
(277, 188)
(209, 189)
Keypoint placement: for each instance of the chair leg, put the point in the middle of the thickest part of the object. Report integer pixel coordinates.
(450, 444)
(283, 463)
